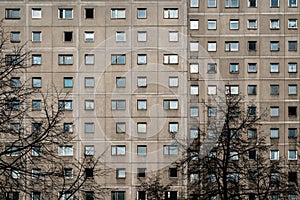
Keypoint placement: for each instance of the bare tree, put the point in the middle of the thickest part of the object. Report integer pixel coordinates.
(36, 149)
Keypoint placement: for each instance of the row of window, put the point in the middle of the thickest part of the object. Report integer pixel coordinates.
(37, 195)
(235, 3)
(234, 24)
(233, 46)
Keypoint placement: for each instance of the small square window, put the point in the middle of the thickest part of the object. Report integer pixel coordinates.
(68, 127)
(173, 36)
(274, 133)
(141, 13)
(232, 89)
(142, 127)
(120, 36)
(231, 46)
(194, 68)
(36, 82)
(120, 127)
(89, 36)
(121, 173)
(252, 46)
(142, 81)
(233, 67)
(234, 24)
(252, 68)
(292, 67)
(274, 24)
(211, 68)
(170, 150)
(173, 81)
(292, 89)
(89, 127)
(142, 59)
(274, 46)
(274, 89)
(141, 172)
(292, 155)
(212, 90)
(212, 3)
(211, 24)
(274, 67)
(274, 111)
(292, 111)
(36, 105)
(36, 13)
(89, 150)
(68, 173)
(292, 45)
(194, 46)
(274, 3)
(89, 173)
(211, 111)
(141, 150)
(274, 155)
(89, 59)
(252, 133)
(212, 46)
(68, 82)
(142, 36)
(89, 105)
(142, 104)
(252, 24)
(120, 82)
(252, 89)
(194, 3)
(251, 111)
(173, 172)
(173, 127)
(15, 37)
(68, 36)
(15, 82)
(292, 23)
(36, 36)
(194, 133)
(252, 4)
(170, 104)
(194, 89)
(89, 13)
(89, 82)
(194, 111)
(292, 132)
(194, 24)
(36, 59)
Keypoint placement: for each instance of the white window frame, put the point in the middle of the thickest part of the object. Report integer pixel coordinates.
(252, 24)
(141, 104)
(89, 104)
(89, 150)
(65, 150)
(142, 127)
(65, 59)
(89, 36)
(194, 133)
(211, 46)
(36, 13)
(36, 59)
(120, 82)
(292, 67)
(141, 81)
(231, 3)
(142, 36)
(211, 89)
(234, 24)
(194, 89)
(118, 104)
(292, 23)
(15, 36)
(274, 67)
(120, 36)
(170, 150)
(194, 68)
(232, 89)
(142, 150)
(292, 89)
(173, 81)
(89, 59)
(121, 173)
(274, 24)
(142, 59)
(194, 111)
(173, 36)
(62, 13)
(274, 111)
(173, 127)
(171, 13)
(232, 46)
(194, 24)
(118, 150)
(171, 104)
(170, 59)
(194, 3)
(118, 13)
(211, 24)
(274, 6)
(292, 3)
(252, 67)
(211, 3)
(194, 46)
(274, 155)
(274, 133)
(142, 13)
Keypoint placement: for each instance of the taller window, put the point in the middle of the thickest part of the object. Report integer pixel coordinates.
(274, 3)
(231, 3)
(65, 13)
(119, 13)
(12, 13)
(171, 13)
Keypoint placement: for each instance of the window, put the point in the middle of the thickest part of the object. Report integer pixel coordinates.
(194, 89)
(194, 24)
(233, 67)
(142, 36)
(252, 68)
(65, 151)
(68, 127)
(120, 82)
(89, 172)
(251, 111)
(274, 67)
(211, 89)
(212, 46)
(68, 82)
(36, 127)
(120, 127)
(173, 127)
(274, 89)
(118, 13)
(12, 195)
(292, 155)
(274, 133)
(252, 133)
(36, 173)
(118, 150)
(142, 127)
(36, 13)
(68, 173)
(173, 81)
(252, 45)
(232, 3)
(13, 150)
(142, 59)
(292, 177)
(120, 36)
(13, 104)
(170, 13)
(65, 105)
(89, 127)
(274, 3)
(12, 13)
(36, 105)
(232, 89)
(292, 3)
(68, 36)
(252, 24)
(234, 24)
(89, 13)
(89, 105)
(89, 59)
(89, 36)
(292, 45)
(212, 3)
(142, 81)
(173, 36)
(274, 46)
(89, 195)
(194, 3)
(274, 155)
(15, 128)
(65, 13)
(292, 89)
(118, 104)
(194, 68)
(292, 132)
(292, 197)
(141, 150)
(173, 172)
(274, 24)
(66, 196)
(231, 46)
(233, 177)
(141, 13)
(211, 68)
(15, 174)
(15, 82)
(252, 89)
(36, 36)
(194, 46)
(252, 155)
(211, 24)
(142, 104)
(252, 3)
(118, 59)
(15, 37)
(36, 59)
(65, 59)
(274, 111)
(292, 23)
(251, 176)
(89, 82)
(234, 155)
(194, 133)
(292, 111)
(117, 195)
(141, 172)
(170, 59)
(211, 111)
(170, 150)
(171, 104)
(141, 195)
(292, 67)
